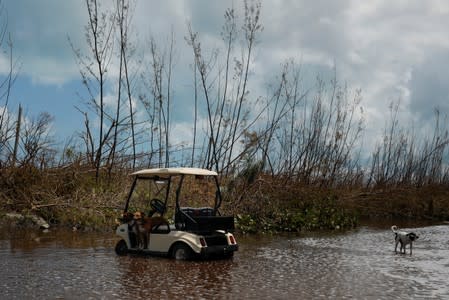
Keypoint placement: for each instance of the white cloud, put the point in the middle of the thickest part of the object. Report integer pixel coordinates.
(4, 64)
(428, 84)
(39, 31)
(182, 133)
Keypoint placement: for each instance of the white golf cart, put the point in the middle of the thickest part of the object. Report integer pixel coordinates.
(197, 231)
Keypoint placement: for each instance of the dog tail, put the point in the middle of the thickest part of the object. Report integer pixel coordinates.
(394, 228)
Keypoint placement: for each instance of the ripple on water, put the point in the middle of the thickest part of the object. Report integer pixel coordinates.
(357, 264)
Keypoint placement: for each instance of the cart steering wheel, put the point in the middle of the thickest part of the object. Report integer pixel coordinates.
(157, 205)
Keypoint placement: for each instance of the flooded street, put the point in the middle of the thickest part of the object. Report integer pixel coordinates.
(358, 264)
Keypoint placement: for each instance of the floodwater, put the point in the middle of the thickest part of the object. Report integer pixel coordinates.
(357, 264)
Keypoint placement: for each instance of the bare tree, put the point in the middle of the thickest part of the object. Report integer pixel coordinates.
(157, 78)
(202, 67)
(93, 69)
(195, 115)
(120, 10)
(312, 140)
(124, 53)
(250, 28)
(36, 139)
(6, 84)
(226, 113)
(404, 159)
(168, 103)
(229, 35)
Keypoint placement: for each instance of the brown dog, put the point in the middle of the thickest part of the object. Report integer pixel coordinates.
(144, 226)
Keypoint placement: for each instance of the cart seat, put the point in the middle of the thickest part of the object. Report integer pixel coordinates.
(198, 211)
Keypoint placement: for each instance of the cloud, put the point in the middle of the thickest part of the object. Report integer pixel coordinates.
(429, 86)
(39, 33)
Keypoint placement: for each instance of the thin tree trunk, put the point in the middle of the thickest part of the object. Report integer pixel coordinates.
(16, 142)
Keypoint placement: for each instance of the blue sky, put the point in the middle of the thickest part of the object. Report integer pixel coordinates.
(389, 49)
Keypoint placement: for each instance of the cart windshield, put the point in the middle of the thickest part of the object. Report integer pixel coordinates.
(198, 191)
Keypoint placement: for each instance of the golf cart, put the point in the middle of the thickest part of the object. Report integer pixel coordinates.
(196, 231)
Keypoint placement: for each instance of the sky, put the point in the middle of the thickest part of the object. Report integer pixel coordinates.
(391, 50)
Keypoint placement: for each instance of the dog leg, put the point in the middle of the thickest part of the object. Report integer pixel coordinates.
(399, 242)
(139, 240)
(410, 249)
(396, 247)
(144, 241)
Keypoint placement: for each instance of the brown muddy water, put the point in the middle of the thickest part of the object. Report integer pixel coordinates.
(357, 264)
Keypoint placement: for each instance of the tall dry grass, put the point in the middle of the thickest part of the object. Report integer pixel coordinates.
(72, 197)
(67, 196)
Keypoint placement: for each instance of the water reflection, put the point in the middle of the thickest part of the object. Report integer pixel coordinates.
(143, 277)
(356, 264)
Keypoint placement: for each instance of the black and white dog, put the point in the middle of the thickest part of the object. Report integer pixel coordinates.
(403, 238)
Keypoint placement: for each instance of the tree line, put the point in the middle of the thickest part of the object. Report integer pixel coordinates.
(310, 135)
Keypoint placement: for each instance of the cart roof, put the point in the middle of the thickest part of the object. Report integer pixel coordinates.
(174, 171)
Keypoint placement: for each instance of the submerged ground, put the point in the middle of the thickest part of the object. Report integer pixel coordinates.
(358, 263)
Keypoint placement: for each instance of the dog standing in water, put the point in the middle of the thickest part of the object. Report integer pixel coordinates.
(403, 238)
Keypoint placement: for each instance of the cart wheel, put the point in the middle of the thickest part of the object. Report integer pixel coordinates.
(182, 252)
(121, 248)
